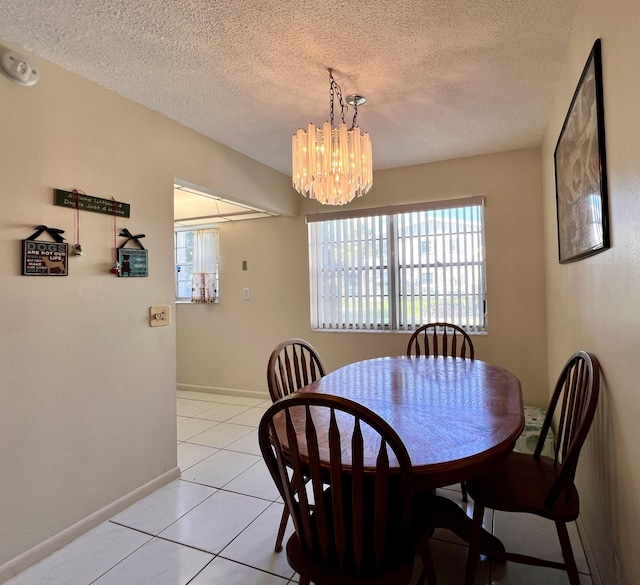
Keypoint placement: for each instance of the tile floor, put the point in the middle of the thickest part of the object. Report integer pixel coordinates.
(217, 524)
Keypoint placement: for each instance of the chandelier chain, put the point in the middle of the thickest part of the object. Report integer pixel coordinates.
(334, 89)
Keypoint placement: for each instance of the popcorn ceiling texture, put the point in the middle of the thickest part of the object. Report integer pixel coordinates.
(442, 78)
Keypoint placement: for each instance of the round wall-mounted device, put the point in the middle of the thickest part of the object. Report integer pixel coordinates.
(15, 66)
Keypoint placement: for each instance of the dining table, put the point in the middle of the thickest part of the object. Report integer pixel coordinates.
(457, 417)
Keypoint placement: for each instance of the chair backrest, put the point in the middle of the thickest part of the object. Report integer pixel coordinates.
(440, 339)
(293, 364)
(359, 513)
(573, 405)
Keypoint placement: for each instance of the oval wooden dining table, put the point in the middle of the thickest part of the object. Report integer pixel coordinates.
(456, 417)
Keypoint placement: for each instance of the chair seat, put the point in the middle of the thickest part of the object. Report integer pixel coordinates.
(320, 574)
(398, 568)
(521, 483)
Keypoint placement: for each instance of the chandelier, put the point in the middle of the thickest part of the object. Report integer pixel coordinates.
(333, 164)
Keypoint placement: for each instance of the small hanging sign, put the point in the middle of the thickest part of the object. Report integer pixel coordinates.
(132, 261)
(40, 258)
(77, 200)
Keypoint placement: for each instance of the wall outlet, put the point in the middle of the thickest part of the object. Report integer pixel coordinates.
(246, 294)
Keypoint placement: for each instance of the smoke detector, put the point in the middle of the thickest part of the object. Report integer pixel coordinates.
(16, 67)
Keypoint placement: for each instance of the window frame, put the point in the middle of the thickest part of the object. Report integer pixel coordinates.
(467, 306)
(177, 264)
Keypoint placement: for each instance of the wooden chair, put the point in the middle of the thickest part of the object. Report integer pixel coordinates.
(293, 364)
(442, 339)
(355, 520)
(541, 485)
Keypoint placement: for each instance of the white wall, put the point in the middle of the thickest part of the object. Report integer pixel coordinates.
(88, 388)
(227, 345)
(593, 303)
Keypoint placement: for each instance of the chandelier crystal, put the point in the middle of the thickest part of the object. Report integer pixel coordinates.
(332, 164)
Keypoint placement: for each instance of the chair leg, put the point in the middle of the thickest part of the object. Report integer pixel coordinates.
(429, 569)
(463, 486)
(567, 553)
(283, 527)
(474, 545)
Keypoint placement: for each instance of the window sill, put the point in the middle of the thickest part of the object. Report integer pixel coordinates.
(188, 302)
(385, 331)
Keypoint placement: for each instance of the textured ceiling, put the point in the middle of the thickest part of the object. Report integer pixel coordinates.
(442, 78)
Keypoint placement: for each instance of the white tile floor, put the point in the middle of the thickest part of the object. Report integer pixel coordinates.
(217, 524)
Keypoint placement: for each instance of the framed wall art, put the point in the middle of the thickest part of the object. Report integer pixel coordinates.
(132, 261)
(40, 258)
(580, 169)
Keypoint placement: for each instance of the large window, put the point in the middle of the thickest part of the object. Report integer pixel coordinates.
(399, 267)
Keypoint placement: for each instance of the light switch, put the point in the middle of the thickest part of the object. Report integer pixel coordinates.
(159, 315)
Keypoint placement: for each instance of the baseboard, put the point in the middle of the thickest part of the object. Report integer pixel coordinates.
(588, 552)
(228, 391)
(37, 553)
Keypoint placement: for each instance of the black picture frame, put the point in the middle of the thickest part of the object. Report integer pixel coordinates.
(580, 169)
(41, 258)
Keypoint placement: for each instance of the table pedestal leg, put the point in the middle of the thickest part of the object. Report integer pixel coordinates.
(447, 514)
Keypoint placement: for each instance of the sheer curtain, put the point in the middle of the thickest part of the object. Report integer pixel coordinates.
(204, 287)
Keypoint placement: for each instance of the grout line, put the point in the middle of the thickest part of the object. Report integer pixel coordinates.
(165, 539)
(178, 518)
(239, 533)
(287, 579)
(221, 489)
(200, 571)
(228, 421)
(126, 556)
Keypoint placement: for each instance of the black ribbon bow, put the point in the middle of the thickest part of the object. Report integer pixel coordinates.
(125, 233)
(53, 232)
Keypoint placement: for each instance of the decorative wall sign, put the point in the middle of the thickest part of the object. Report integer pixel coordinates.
(132, 261)
(85, 202)
(41, 258)
(581, 171)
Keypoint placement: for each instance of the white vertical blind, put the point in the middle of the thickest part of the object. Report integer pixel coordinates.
(347, 275)
(399, 270)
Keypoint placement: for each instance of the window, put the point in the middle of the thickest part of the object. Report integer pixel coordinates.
(184, 264)
(196, 259)
(396, 268)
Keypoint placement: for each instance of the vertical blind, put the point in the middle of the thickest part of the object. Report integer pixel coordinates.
(396, 268)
